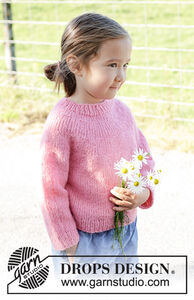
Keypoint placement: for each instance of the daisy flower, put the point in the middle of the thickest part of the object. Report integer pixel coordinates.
(150, 177)
(137, 185)
(123, 168)
(159, 172)
(153, 178)
(140, 156)
(134, 168)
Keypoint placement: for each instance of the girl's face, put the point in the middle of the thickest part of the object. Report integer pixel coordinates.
(106, 73)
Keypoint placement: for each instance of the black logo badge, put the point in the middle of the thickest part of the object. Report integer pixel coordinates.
(29, 270)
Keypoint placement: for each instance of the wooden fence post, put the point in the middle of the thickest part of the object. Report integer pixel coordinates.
(9, 47)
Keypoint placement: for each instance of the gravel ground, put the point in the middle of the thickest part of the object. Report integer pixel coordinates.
(165, 229)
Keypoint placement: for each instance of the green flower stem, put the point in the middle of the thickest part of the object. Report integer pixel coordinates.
(119, 218)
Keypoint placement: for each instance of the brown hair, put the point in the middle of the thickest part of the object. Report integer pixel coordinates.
(82, 37)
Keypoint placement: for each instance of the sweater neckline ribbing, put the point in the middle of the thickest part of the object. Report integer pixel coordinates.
(89, 109)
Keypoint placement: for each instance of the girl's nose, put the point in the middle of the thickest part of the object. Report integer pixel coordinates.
(120, 77)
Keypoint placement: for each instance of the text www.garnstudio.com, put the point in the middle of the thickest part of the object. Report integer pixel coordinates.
(93, 283)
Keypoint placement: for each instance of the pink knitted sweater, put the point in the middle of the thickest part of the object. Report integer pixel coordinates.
(79, 146)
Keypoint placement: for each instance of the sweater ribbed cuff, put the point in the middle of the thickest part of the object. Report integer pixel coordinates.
(68, 240)
(149, 201)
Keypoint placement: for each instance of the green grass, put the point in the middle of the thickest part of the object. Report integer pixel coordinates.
(28, 108)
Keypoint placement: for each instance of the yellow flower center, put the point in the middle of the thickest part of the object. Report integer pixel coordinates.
(156, 181)
(139, 175)
(140, 157)
(124, 170)
(151, 177)
(132, 168)
(136, 183)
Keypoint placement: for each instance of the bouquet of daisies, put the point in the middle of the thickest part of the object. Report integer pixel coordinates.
(130, 174)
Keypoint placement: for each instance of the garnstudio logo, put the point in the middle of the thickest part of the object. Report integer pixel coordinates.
(29, 270)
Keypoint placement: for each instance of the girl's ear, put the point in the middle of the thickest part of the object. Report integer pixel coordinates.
(74, 64)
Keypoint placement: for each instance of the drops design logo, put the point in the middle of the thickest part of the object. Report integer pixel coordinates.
(29, 270)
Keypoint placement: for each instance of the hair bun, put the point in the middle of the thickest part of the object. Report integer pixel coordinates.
(50, 70)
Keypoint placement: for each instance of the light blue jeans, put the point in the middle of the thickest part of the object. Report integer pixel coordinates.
(100, 243)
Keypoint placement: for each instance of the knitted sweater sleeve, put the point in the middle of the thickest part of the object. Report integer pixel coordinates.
(142, 143)
(55, 153)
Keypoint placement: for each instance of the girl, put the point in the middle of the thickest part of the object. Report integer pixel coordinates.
(85, 133)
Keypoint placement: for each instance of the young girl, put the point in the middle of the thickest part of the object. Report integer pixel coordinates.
(85, 133)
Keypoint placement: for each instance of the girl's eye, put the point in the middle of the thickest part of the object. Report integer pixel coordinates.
(116, 65)
(112, 64)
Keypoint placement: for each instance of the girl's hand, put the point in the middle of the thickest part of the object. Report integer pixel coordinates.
(127, 199)
(71, 251)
